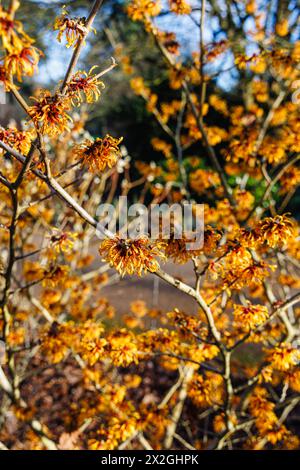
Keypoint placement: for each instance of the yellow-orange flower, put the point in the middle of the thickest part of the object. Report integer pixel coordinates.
(176, 249)
(22, 61)
(139, 87)
(123, 349)
(284, 357)
(181, 7)
(55, 275)
(138, 9)
(74, 28)
(62, 241)
(139, 308)
(49, 113)
(282, 27)
(250, 7)
(132, 256)
(161, 146)
(84, 84)
(16, 337)
(250, 316)
(93, 350)
(19, 140)
(100, 153)
(201, 180)
(276, 231)
(11, 31)
(169, 41)
(219, 104)
(56, 341)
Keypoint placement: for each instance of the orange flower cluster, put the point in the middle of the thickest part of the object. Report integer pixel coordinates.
(21, 56)
(140, 9)
(284, 357)
(180, 7)
(99, 154)
(201, 180)
(266, 420)
(132, 256)
(86, 84)
(49, 113)
(19, 140)
(250, 316)
(73, 28)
